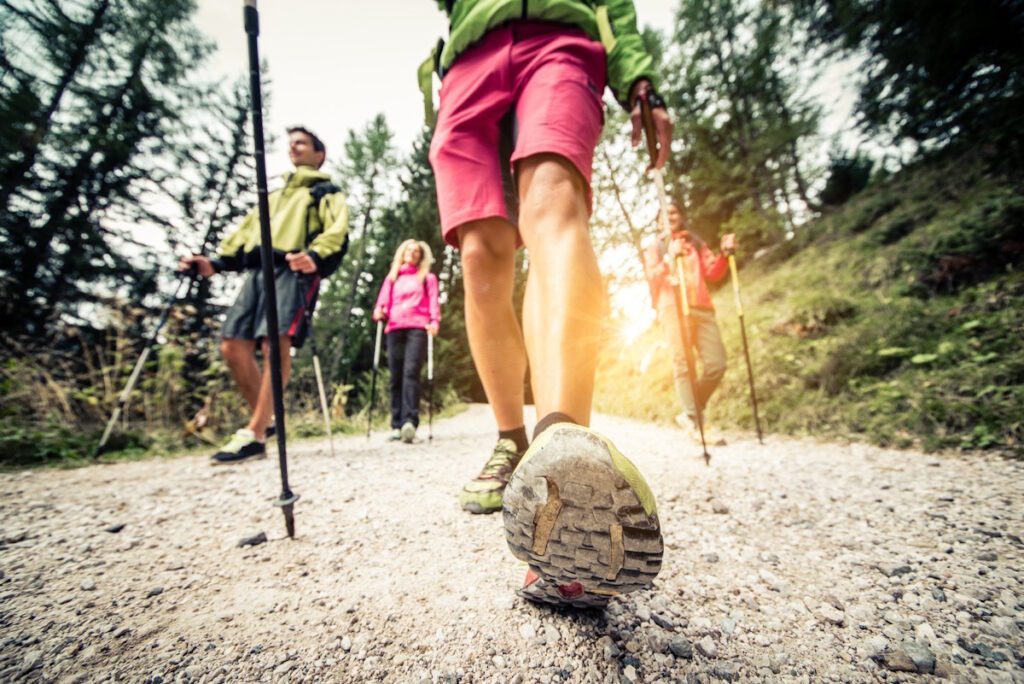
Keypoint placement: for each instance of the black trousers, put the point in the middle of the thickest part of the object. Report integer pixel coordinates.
(407, 350)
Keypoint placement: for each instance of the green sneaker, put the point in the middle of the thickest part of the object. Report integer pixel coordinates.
(581, 515)
(242, 447)
(483, 494)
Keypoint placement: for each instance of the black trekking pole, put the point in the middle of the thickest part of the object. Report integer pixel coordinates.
(308, 314)
(373, 378)
(746, 349)
(288, 498)
(684, 321)
(430, 385)
(122, 399)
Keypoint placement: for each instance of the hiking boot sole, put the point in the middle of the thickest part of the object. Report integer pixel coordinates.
(570, 513)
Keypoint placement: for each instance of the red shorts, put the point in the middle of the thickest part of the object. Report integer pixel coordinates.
(550, 77)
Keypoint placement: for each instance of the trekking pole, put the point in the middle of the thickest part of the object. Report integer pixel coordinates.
(647, 116)
(373, 378)
(122, 399)
(288, 498)
(316, 366)
(743, 334)
(430, 385)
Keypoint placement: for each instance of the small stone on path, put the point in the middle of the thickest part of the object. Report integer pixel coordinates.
(729, 671)
(707, 648)
(681, 647)
(254, 540)
(894, 569)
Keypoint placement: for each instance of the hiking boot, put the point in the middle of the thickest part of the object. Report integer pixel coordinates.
(408, 433)
(689, 427)
(270, 431)
(395, 435)
(713, 435)
(483, 494)
(242, 447)
(583, 518)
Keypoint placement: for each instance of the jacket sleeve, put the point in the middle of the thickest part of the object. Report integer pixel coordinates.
(329, 246)
(384, 297)
(432, 299)
(714, 268)
(229, 254)
(628, 60)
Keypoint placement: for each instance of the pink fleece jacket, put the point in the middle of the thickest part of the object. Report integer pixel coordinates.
(407, 302)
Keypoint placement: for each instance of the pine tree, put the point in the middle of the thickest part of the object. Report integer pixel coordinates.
(735, 87)
(935, 71)
(367, 175)
(70, 237)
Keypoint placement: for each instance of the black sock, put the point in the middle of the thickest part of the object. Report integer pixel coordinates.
(550, 420)
(517, 435)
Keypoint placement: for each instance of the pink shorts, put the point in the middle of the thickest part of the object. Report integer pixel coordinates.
(550, 77)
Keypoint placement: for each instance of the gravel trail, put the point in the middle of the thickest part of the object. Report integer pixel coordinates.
(796, 561)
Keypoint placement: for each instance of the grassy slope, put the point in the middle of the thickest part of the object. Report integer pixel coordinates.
(898, 319)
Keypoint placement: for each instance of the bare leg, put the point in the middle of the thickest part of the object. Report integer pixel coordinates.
(264, 409)
(488, 249)
(564, 297)
(240, 355)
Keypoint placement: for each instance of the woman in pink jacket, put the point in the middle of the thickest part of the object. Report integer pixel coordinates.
(408, 300)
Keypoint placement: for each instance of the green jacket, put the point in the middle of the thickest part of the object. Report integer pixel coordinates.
(613, 22)
(295, 225)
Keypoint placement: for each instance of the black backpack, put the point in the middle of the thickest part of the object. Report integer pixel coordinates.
(318, 191)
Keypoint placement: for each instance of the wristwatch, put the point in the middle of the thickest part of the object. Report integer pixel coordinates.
(655, 99)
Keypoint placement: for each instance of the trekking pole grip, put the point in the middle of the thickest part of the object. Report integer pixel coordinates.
(252, 18)
(650, 130)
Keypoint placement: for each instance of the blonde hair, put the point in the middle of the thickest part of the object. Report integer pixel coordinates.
(426, 259)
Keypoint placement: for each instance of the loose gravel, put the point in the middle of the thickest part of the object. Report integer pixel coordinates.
(797, 561)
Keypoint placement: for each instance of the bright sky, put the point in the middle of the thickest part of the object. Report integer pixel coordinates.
(334, 65)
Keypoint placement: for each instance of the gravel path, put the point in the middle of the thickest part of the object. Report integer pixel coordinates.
(796, 561)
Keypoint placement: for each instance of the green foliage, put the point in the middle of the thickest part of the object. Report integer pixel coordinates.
(852, 336)
(111, 80)
(846, 177)
(735, 86)
(935, 70)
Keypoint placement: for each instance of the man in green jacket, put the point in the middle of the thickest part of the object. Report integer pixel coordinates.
(575, 509)
(309, 227)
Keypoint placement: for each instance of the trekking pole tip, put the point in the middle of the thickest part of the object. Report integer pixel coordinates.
(287, 505)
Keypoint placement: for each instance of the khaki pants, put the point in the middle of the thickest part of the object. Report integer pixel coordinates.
(710, 356)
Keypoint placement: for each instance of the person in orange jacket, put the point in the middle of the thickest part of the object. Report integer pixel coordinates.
(702, 266)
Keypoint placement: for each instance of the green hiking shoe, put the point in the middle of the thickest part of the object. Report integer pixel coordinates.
(243, 446)
(582, 517)
(483, 493)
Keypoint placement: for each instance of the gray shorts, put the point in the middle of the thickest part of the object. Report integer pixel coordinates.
(247, 317)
